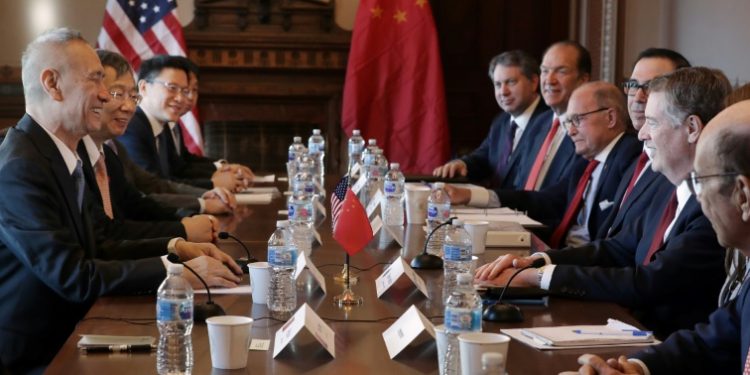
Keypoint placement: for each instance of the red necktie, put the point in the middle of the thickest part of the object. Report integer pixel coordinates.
(539, 161)
(666, 219)
(642, 160)
(573, 207)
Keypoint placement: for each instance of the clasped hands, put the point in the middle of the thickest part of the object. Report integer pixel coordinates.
(499, 271)
(595, 365)
(215, 267)
(233, 177)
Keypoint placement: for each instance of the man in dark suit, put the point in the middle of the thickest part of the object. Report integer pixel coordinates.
(669, 268)
(496, 163)
(53, 262)
(163, 85)
(721, 180)
(640, 184)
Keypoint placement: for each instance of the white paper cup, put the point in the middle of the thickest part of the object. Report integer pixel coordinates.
(442, 345)
(229, 339)
(473, 345)
(416, 203)
(477, 230)
(260, 279)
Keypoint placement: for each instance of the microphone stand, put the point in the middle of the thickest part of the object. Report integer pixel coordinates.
(505, 312)
(240, 262)
(201, 311)
(427, 261)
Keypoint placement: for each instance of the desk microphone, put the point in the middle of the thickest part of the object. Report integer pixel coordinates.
(505, 312)
(240, 262)
(201, 311)
(427, 261)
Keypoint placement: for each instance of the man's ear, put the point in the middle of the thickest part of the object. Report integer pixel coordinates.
(695, 128)
(742, 192)
(50, 79)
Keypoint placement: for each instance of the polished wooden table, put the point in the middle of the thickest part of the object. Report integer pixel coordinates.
(359, 344)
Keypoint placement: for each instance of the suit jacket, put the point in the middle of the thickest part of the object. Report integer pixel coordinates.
(52, 263)
(482, 162)
(650, 187)
(717, 347)
(141, 145)
(548, 205)
(676, 290)
(564, 161)
(144, 217)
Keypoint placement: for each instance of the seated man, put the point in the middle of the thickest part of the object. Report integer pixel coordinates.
(721, 180)
(515, 76)
(53, 263)
(596, 122)
(650, 266)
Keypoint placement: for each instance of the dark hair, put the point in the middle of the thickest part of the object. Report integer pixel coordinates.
(738, 94)
(528, 64)
(152, 67)
(584, 57)
(696, 91)
(115, 61)
(190, 66)
(675, 57)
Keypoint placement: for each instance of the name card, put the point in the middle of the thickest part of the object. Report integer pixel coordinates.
(302, 263)
(317, 236)
(355, 170)
(405, 330)
(260, 344)
(392, 273)
(305, 317)
(266, 178)
(376, 224)
(376, 200)
(320, 208)
(397, 232)
(359, 185)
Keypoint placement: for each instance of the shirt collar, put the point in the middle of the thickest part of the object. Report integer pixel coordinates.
(683, 195)
(156, 126)
(94, 151)
(522, 120)
(601, 157)
(69, 156)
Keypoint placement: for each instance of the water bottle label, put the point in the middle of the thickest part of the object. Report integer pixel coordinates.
(291, 156)
(315, 148)
(310, 187)
(457, 319)
(173, 309)
(280, 257)
(438, 212)
(456, 253)
(290, 209)
(355, 149)
(390, 187)
(300, 211)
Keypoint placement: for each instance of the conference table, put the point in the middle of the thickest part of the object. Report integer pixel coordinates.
(359, 344)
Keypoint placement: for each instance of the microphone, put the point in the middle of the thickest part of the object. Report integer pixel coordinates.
(504, 312)
(427, 261)
(201, 311)
(240, 262)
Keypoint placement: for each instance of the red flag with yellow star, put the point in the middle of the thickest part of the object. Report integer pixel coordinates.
(394, 83)
(352, 228)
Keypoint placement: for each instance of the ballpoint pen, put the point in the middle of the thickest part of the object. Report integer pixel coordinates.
(537, 338)
(614, 333)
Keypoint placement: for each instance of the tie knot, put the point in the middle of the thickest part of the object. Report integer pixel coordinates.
(78, 170)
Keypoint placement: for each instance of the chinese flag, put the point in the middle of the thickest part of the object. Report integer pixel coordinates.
(352, 229)
(394, 83)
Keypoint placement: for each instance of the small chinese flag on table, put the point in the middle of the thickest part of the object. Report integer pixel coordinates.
(351, 226)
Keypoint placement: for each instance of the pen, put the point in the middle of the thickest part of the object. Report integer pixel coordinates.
(614, 333)
(117, 348)
(538, 339)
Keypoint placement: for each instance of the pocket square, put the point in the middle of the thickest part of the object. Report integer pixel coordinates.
(605, 204)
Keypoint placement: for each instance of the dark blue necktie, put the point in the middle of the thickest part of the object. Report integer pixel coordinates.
(80, 184)
(506, 148)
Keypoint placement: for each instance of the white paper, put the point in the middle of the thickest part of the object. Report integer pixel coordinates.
(320, 207)
(393, 272)
(376, 224)
(359, 185)
(243, 289)
(483, 211)
(283, 212)
(302, 263)
(516, 334)
(376, 200)
(262, 190)
(282, 179)
(263, 198)
(516, 218)
(404, 330)
(317, 237)
(355, 169)
(266, 178)
(305, 317)
(260, 344)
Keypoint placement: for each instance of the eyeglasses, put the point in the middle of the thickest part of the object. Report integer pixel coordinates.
(174, 88)
(632, 86)
(120, 96)
(575, 119)
(696, 186)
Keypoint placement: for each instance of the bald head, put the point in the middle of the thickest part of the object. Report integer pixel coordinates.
(727, 137)
(597, 114)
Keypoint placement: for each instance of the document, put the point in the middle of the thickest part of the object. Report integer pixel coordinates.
(614, 333)
(262, 198)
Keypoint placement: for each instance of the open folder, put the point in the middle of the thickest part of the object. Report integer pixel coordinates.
(582, 336)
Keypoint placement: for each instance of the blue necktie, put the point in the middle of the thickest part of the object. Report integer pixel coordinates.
(80, 184)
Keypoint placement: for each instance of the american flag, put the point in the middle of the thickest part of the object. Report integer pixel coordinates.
(337, 199)
(141, 29)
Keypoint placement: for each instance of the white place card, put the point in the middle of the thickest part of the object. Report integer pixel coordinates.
(405, 330)
(302, 263)
(283, 212)
(376, 224)
(392, 273)
(397, 232)
(376, 200)
(266, 178)
(251, 198)
(282, 179)
(260, 344)
(359, 185)
(320, 208)
(317, 237)
(355, 169)
(305, 317)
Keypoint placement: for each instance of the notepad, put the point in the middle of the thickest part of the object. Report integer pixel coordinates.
(88, 341)
(615, 333)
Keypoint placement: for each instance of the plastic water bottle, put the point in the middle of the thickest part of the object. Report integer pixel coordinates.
(316, 146)
(394, 191)
(438, 212)
(282, 257)
(375, 175)
(367, 153)
(300, 207)
(356, 146)
(296, 150)
(456, 254)
(463, 313)
(174, 318)
(493, 364)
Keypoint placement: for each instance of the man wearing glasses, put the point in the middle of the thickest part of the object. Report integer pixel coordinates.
(163, 85)
(667, 266)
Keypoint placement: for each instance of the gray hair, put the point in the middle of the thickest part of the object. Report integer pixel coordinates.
(696, 91)
(38, 56)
